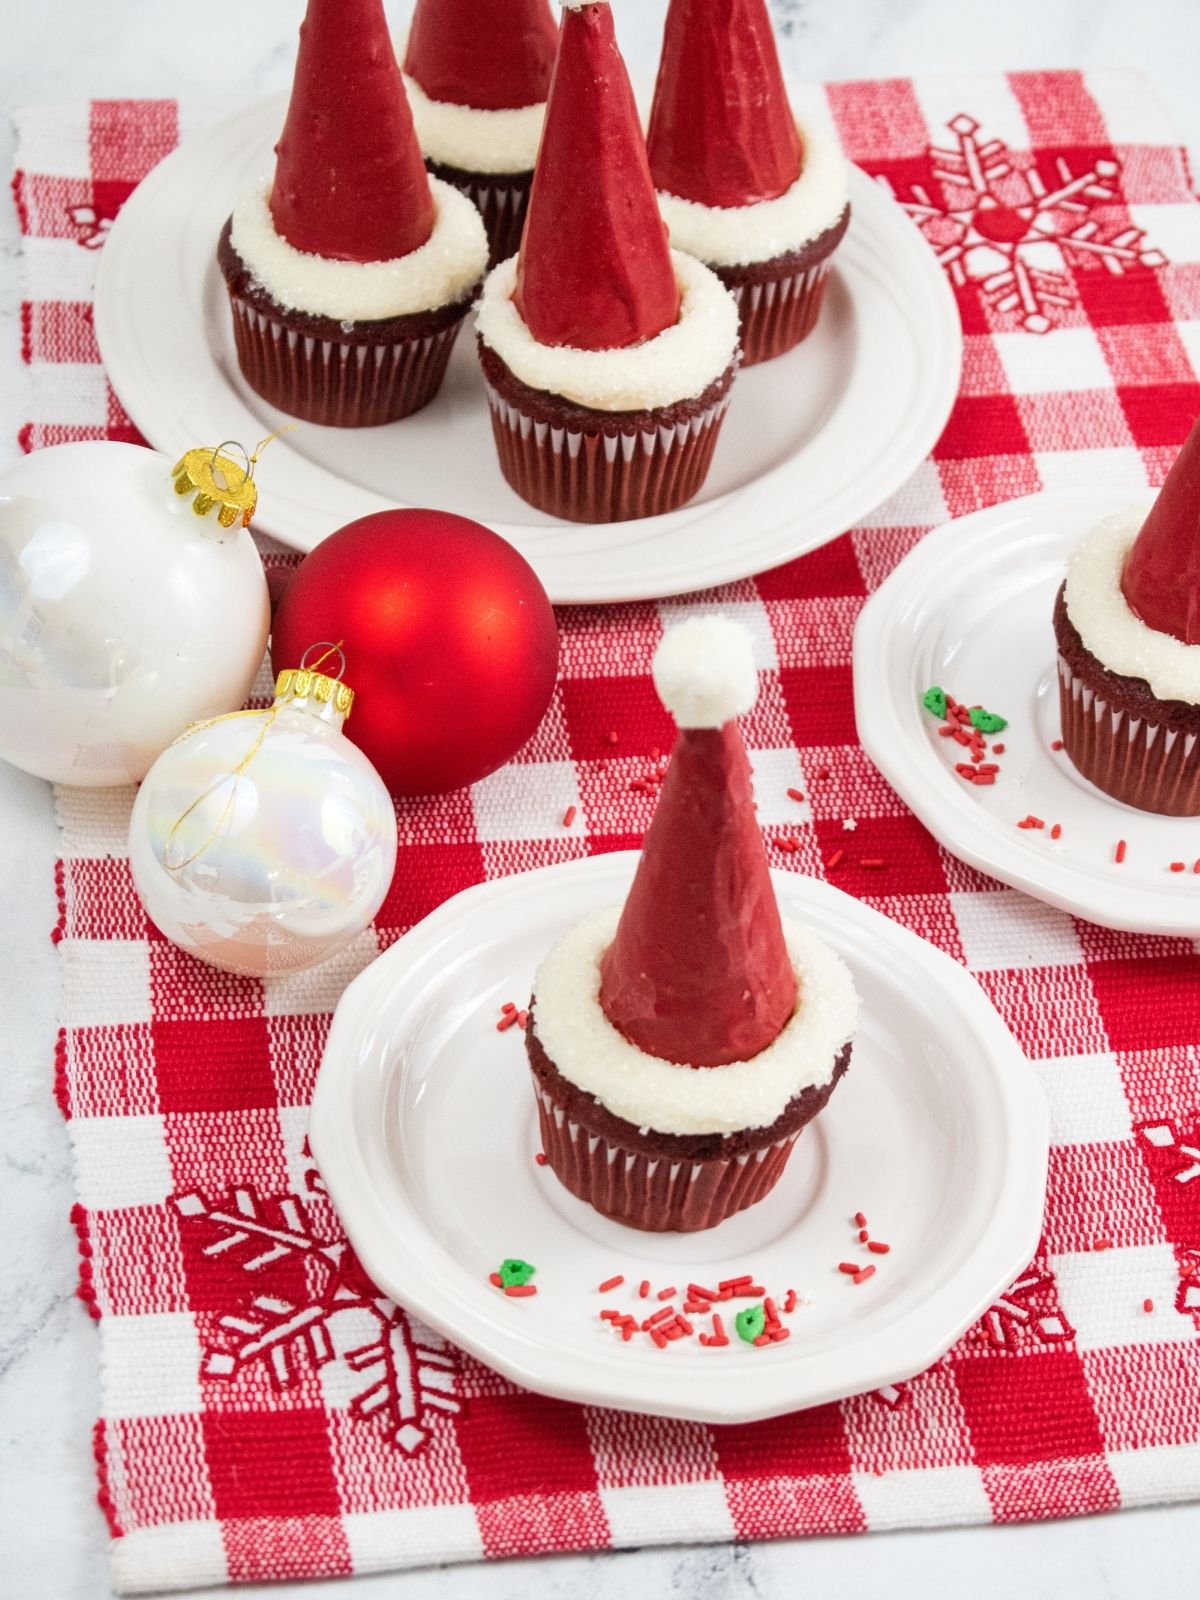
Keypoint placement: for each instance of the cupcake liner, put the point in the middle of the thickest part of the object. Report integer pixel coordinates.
(777, 314)
(655, 1193)
(501, 202)
(340, 383)
(1146, 764)
(604, 477)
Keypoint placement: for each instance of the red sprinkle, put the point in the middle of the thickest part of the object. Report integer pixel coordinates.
(780, 1334)
(946, 731)
(1178, 866)
(1031, 822)
(997, 749)
(508, 1008)
(614, 737)
(863, 1236)
(873, 861)
(520, 1291)
(665, 1294)
(735, 1283)
(718, 1333)
(863, 1274)
(1102, 1244)
(1119, 852)
(789, 1304)
(763, 1338)
(789, 845)
(644, 1288)
(568, 816)
(795, 794)
(771, 1313)
(611, 1283)
(659, 1339)
(506, 1021)
(659, 1316)
(697, 1291)
(522, 1018)
(1147, 1305)
(877, 1248)
(860, 1220)
(496, 1279)
(850, 1267)
(1056, 831)
(540, 1158)
(1196, 865)
(1056, 744)
(835, 860)
(684, 1325)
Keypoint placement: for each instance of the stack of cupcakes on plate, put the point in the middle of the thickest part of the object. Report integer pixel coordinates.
(350, 274)
(608, 357)
(477, 72)
(1127, 625)
(743, 185)
(681, 1043)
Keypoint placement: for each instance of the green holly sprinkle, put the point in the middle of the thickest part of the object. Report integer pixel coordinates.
(750, 1323)
(514, 1272)
(987, 721)
(935, 700)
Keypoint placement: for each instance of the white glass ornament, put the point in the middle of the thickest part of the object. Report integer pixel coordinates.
(126, 609)
(262, 842)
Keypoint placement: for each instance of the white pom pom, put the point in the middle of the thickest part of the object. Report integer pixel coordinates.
(704, 672)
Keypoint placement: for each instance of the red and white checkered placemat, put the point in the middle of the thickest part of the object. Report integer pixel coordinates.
(266, 1415)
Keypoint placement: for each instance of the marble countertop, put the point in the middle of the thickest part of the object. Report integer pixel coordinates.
(52, 1536)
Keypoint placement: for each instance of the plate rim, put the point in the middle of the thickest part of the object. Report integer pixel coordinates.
(927, 297)
(943, 806)
(1008, 1242)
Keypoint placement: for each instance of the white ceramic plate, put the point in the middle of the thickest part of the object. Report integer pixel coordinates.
(812, 442)
(970, 609)
(424, 1128)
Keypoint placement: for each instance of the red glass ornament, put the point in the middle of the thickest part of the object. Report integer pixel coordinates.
(450, 642)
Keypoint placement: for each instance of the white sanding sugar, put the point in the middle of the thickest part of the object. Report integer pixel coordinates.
(444, 269)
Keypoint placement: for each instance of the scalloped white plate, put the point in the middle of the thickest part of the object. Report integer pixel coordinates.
(970, 609)
(424, 1128)
(812, 442)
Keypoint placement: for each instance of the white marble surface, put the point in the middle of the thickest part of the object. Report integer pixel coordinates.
(51, 1533)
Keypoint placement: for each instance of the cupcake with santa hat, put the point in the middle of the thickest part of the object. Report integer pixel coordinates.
(744, 185)
(351, 271)
(1127, 625)
(608, 357)
(681, 1042)
(477, 72)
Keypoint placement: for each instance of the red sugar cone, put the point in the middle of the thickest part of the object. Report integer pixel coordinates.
(1161, 580)
(594, 271)
(698, 971)
(350, 182)
(492, 54)
(721, 130)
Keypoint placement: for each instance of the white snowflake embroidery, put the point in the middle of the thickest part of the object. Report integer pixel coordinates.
(1164, 1136)
(91, 227)
(998, 226)
(373, 1358)
(1016, 1314)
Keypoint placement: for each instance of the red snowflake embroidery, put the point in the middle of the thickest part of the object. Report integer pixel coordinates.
(998, 226)
(393, 1370)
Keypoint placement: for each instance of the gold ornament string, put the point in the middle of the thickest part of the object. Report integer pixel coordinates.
(205, 474)
(268, 718)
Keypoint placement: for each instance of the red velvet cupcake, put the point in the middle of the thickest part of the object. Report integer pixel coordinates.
(350, 276)
(477, 73)
(608, 357)
(745, 187)
(679, 1044)
(1127, 625)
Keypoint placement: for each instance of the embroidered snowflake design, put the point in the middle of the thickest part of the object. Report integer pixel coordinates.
(996, 225)
(375, 1360)
(1026, 1312)
(1165, 1136)
(90, 227)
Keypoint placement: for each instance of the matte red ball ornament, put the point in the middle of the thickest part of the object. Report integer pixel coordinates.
(449, 638)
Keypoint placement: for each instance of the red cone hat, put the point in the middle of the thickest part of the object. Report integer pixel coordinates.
(698, 972)
(595, 270)
(1161, 580)
(495, 55)
(721, 129)
(350, 182)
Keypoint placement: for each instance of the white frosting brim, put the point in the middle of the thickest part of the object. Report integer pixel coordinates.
(444, 269)
(678, 364)
(736, 236)
(470, 137)
(652, 1093)
(1110, 630)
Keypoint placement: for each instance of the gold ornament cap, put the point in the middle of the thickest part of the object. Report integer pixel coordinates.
(302, 683)
(218, 480)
